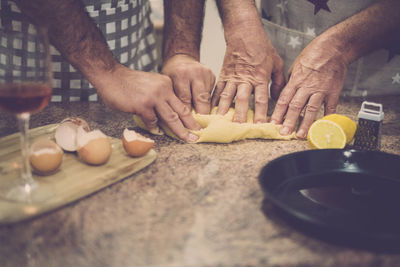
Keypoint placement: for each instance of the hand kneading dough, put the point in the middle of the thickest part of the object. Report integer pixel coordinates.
(221, 129)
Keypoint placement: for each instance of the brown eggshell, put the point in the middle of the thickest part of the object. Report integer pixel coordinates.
(135, 144)
(45, 157)
(66, 131)
(96, 151)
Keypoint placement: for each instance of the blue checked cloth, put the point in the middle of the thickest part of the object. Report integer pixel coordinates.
(128, 29)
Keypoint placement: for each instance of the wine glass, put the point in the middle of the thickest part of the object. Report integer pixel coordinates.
(25, 89)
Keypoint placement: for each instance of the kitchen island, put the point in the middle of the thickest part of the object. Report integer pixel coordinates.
(196, 205)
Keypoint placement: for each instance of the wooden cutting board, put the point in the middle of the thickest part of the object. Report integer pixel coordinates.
(74, 180)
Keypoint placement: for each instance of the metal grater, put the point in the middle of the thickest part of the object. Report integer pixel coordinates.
(368, 134)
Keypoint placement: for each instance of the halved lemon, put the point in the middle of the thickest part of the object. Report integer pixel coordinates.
(326, 134)
(332, 131)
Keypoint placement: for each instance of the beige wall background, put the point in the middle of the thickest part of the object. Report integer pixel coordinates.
(213, 43)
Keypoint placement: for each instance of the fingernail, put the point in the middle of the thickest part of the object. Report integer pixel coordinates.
(301, 134)
(284, 131)
(274, 122)
(192, 138)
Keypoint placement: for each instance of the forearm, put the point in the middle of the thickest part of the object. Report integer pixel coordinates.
(73, 33)
(373, 28)
(238, 17)
(183, 24)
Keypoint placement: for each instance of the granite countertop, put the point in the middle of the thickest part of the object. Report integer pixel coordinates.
(196, 205)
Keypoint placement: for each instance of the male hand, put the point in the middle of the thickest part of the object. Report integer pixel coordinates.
(192, 81)
(250, 63)
(316, 77)
(150, 96)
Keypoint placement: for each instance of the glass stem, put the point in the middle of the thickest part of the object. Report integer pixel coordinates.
(26, 174)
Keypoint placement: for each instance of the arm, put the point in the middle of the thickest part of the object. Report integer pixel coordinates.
(76, 36)
(192, 81)
(250, 62)
(73, 33)
(317, 75)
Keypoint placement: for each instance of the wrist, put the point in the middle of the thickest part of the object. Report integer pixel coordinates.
(246, 24)
(102, 78)
(180, 57)
(333, 43)
(238, 17)
(183, 53)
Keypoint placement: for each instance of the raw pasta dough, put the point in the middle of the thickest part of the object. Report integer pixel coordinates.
(221, 129)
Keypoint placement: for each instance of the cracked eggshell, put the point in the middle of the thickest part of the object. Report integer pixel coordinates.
(135, 144)
(93, 147)
(45, 156)
(66, 131)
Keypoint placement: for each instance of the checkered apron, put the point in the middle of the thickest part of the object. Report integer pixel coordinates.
(127, 28)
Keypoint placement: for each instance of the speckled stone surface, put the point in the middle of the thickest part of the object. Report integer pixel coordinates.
(196, 205)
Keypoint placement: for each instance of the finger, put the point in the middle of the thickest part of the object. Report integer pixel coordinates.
(260, 103)
(171, 118)
(242, 102)
(283, 103)
(149, 118)
(217, 93)
(295, 106)
(184, 113)
(183, 92)
(201, 96)
(331, 103)
(312, 108)
(277, 83)
(226, 98)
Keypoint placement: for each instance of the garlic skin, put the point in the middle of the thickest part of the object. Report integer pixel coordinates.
(135, 144)
(66, 132)
(93, 147)
(45, 156)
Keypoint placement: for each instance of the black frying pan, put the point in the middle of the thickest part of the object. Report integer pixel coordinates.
(347, 196)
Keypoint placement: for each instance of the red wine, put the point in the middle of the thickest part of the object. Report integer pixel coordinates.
(24, 97)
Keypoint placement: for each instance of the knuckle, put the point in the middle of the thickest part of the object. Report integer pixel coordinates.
(282, 101)
(186, 111)
(225, 95)
(171, 117)
(295, 105)
(260, 100)
(312, 108)
(203, 97)
(331, 108)
(185, 99)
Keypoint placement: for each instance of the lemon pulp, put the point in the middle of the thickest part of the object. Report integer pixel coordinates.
(326, 134)
(348, 125)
